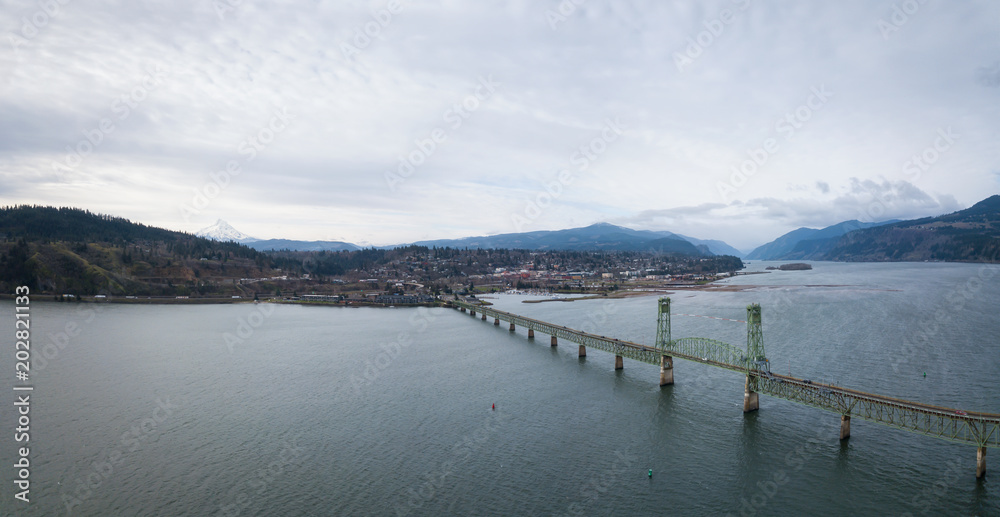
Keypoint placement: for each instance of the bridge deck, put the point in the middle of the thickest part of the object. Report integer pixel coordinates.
(972, 427)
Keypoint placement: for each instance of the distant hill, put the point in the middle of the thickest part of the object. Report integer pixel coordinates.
(68, 250)
(222, 231)
(599, 237)
(715, 246)
(290, 245)
(36, 223)
(970, 235)
(806, 243)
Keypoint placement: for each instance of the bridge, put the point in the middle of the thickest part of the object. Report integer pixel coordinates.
(967, 427)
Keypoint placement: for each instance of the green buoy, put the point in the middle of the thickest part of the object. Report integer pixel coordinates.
(925, 374)
(650, 472)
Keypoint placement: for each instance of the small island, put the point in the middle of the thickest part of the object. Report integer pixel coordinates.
(795, 266)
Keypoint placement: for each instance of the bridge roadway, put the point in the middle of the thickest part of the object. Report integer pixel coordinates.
(621, 348)
(968, 427)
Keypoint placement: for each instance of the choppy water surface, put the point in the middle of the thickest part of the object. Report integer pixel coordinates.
(289, 410)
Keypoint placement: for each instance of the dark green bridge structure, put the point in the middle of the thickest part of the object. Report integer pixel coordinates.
(972, 428)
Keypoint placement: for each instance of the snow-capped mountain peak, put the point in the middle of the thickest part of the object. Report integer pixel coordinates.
(223, 231)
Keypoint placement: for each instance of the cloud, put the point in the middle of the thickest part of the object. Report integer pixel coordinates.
(356, 113)
(861, 199)
(864, 200)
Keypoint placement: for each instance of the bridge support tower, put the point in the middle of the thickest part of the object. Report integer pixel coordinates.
(981, 463)
(663, 342)
(555, 341)
(583, 351)
(751, 399)
(618, 363)
(845, 427)
(496, 322)
(531, 333)
(512, 326)
(484, 316)
(756, 361)
(666, 370)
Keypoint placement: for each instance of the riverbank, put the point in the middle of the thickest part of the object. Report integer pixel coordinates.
(719, 288)
(154, 300)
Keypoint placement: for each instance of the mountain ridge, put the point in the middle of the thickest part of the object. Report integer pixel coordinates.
(969, 235)
(222, 231)
(596, 237)
(787, 247)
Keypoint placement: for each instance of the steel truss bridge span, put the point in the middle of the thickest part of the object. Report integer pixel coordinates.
(967, 427)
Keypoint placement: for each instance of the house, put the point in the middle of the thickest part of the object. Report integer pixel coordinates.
(403, 299)
(320, 298)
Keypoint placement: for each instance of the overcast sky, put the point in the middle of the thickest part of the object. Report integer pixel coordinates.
(381, 123)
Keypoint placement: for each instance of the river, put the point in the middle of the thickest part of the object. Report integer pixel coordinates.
(301, 410)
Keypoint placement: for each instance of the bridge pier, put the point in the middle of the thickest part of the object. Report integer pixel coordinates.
(751, 400)
(554, 341)
(472, 312)
(666, 370)
(756, 367)
(845, 427)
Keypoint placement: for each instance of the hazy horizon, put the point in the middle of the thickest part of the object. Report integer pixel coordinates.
(259, 238)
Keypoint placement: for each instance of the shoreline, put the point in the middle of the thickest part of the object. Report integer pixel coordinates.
(206, 301)
(710, 287)
(617, 295)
